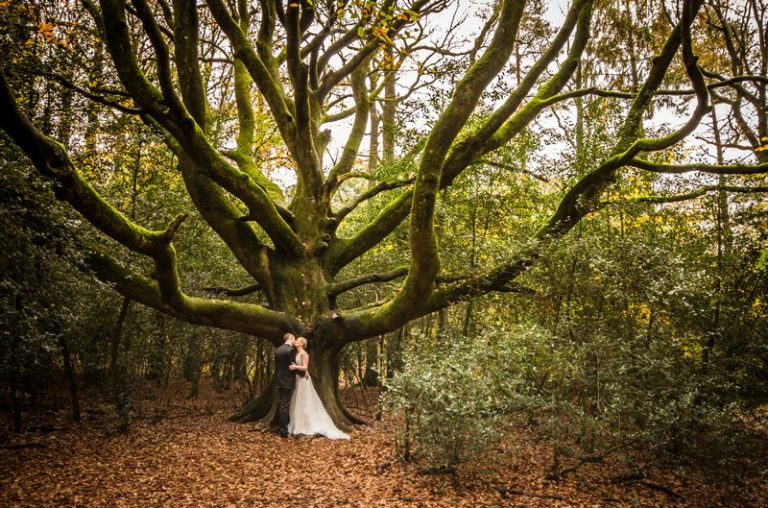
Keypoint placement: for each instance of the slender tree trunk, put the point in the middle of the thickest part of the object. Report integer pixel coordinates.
(359, 364)
(193, 367)
(389, 113)
(69, 372)
(117, 371)
(14, 374)
(15, 403)
(579, 103)
(371, 375)
(261, 369)
(722, 226)
(465, 327)
(442, 322)
(565, 308)
(373, 150)
(157, 355)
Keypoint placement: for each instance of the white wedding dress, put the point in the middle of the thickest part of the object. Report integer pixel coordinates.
(308, 415)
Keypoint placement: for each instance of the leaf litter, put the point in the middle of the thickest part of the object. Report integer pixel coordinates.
(186, 453)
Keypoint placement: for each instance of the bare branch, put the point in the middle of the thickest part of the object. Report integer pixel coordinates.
(334, 78)
(94, 94)
(509, 167)
(370, 193)
(347, 285)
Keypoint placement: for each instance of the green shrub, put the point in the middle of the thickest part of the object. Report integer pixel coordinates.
(452, 399)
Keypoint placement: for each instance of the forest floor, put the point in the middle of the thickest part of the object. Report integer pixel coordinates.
(185, 453)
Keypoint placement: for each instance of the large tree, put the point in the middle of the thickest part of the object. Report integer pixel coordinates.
(312, 63)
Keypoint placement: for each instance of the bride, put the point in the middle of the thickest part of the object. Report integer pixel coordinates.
(308, 416)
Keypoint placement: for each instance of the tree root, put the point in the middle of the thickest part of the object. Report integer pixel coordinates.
(435, 470)
(514, 492)
(260, 408)
(560, 474)
(661, 488)
(352, 418)
(263, 409)
(639, 478)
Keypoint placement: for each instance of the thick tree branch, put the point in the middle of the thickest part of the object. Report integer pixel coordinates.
(343, 251)
(677, 198)
(162, 54)
(191, 136)
(715, 169)
(118, 39)
(267, 82)
(423, 244)
(243, 100)
(243, 156)
(463, 154)
(578, 200)
(223, 216)
(297, 69)
(215, 207)
(243, 317)
(356, 135)
(245, 290)
(499, 125)
(492, 139)
(193, 92)
(265, 35)
(50, 159)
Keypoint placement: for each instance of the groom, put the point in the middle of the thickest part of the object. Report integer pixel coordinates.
(285, 355)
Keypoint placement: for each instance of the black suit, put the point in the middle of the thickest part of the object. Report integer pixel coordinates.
(284, 356)
(286, 382)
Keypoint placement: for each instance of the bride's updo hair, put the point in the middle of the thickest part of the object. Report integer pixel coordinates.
(303, 341)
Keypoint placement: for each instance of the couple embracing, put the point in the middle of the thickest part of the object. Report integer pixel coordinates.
(300, 410)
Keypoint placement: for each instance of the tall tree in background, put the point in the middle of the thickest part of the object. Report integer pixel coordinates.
(309, 60)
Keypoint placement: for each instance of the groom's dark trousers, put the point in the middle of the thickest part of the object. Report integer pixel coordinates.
(283, 409)
(286, 382)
